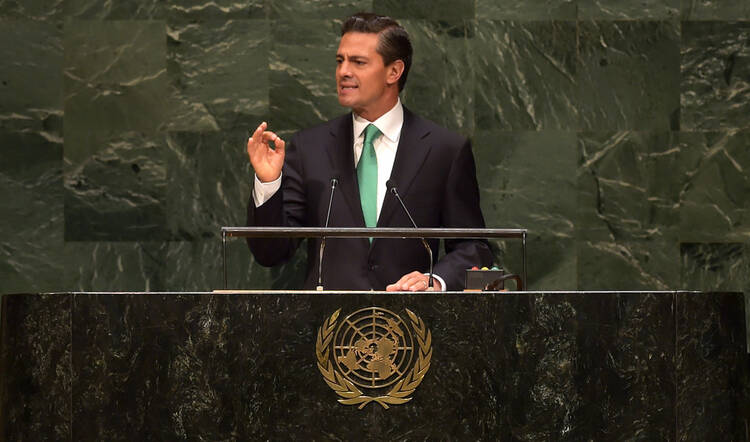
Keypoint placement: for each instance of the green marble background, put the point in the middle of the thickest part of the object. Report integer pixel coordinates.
(617, 132)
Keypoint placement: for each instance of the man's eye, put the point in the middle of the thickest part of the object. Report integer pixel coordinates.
(360, 63)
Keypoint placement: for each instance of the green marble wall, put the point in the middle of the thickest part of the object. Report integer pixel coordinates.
(617, 132)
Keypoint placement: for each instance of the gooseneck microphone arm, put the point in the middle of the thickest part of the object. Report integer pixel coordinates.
(392, 187)
(334, 182)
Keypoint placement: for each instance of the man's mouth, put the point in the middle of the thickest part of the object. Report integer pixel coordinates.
(348, 87)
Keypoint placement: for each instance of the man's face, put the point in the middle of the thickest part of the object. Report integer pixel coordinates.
(363, 82)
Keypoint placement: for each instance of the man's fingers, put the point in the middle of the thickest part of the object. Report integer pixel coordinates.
(256, 137)
(280, 145)
(398, 285)
(269, 136)
(417, 284)
(411, 282)
(261, 138)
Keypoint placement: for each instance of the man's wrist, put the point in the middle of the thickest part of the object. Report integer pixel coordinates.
(262, 192)
(439, 280)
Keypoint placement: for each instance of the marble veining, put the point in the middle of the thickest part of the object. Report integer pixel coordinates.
(573, 366)
(715, 75)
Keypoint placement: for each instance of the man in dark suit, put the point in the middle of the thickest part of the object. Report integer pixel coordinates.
(432, 167)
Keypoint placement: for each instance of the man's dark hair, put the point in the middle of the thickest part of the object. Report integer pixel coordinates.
(393, 40)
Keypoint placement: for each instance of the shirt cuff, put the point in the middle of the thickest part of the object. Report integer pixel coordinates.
(440, 280)
(263, 192)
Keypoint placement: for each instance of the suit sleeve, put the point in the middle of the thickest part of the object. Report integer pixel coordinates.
(286, 208)
(461, 209)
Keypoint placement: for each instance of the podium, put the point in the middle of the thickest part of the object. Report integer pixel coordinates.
(244, 366)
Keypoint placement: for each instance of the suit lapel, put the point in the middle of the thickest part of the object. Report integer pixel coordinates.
(341, 155)
(410, 156)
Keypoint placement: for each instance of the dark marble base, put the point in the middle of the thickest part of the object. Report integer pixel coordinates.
(536, 366)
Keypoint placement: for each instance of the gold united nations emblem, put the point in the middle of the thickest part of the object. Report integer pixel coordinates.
(373, 349)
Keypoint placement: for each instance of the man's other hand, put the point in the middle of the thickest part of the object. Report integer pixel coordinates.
(414, 282)
(266, 162)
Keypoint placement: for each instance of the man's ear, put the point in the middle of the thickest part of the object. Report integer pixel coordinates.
(394, 71)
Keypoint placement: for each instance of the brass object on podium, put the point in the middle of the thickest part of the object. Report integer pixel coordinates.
(374, 350)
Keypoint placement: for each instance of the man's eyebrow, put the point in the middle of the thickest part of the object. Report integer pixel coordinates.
(352, 57)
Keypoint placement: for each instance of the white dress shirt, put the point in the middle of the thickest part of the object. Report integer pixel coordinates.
(389, 124)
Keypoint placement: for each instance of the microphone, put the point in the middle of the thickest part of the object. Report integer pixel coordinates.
(334, 182)
(392, 187)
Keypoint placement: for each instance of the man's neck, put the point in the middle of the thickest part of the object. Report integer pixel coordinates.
(374, 114)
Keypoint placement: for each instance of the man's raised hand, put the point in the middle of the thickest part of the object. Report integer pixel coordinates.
(266, 162)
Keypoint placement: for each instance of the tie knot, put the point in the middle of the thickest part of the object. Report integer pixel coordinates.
(371, 132)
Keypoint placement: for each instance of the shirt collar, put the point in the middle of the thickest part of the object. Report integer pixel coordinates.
(389, 123)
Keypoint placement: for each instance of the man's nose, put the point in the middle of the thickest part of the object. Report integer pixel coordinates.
(344, 69)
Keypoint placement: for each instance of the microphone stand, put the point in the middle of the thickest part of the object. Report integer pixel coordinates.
(334, 181)
(424, 242)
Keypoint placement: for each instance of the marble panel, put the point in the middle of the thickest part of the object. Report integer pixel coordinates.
(119, 10)
(31, 156)
(31, 101)
(628, 265)
(192, 365)
(45, 263)
(531, 370)
(218, 72)
(552, 262)
(114, 78)
(526, 10)
(715, 196)
(526, 181)
(302, 74)
(436, 9)
(30, 84)
(197, 265)
(623, 380)
(628, 75)
(715, 10)
(118, 192)
(39, 328)
(115, 86)
(715, 75)
(563, 366)
(630, 186)
(155, 9)
(714, 266)
(455, 338)
(31, 221)
(209, 183)
(525, 75)
(113, 266)
(442, 95)
(218, 9)
(334, 9)
(161, 378)
(38, 10)
(711, 401)
(619, 10)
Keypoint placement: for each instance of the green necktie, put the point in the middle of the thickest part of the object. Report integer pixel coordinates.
(367, 176)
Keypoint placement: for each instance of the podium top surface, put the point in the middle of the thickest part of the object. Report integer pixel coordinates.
(372, 292)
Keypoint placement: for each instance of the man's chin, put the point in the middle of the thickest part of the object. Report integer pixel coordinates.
(346, 101)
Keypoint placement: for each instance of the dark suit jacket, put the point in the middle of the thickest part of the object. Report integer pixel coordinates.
(435, 175)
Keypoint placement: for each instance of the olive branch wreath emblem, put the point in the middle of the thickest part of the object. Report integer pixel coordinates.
(350, 394)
